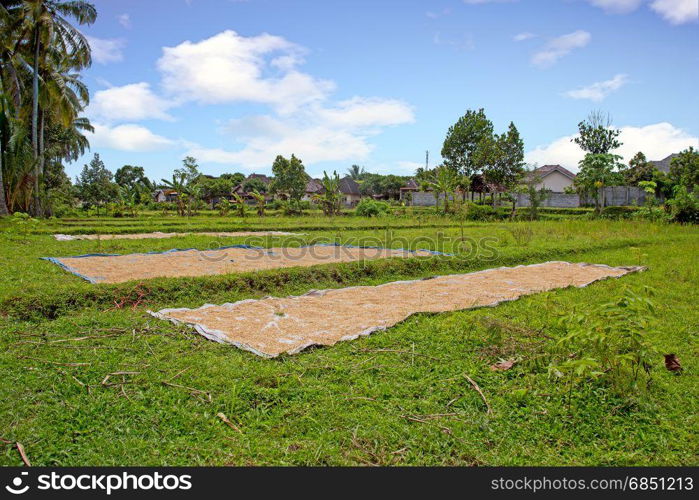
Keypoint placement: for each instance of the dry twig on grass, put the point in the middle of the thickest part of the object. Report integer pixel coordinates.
(478, 389)
(23, 454)
(193, 392)
(226, 421)
(53, 362)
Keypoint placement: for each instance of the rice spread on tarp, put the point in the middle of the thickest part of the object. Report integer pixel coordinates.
(159, 235)
(100, 268)
(271, 326)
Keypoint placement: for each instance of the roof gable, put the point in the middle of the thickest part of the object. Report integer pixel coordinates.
(549, 169)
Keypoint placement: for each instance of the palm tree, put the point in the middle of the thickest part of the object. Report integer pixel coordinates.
(178, 184)
(239, 203)
(47, 23)
(444, 181)
(261, 202)
(356, 172)
(330, 199)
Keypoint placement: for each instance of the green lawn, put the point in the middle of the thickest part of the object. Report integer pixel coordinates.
(397, 397)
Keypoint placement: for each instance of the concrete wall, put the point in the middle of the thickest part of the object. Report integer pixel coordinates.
(614, 196)
(557, 200)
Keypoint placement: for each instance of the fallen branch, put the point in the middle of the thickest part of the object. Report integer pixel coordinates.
(426, 421)
(478, 389)
(23, 454)
(226, 421)
(192, 390)
(53, 362)
(123, 374)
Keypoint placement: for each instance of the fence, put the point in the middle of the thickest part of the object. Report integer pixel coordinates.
(613, 196)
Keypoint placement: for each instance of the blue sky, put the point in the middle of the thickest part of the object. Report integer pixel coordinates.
(378, 82)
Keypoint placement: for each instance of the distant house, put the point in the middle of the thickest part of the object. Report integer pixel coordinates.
(406, 192)
(664, 164)
(350, 192)
(313, 187)
(554, 177)
(165, 195)
(240, 188)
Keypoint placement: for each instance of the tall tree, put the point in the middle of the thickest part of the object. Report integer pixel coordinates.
(596, 134)
(129, 176)
(290, 177)
(462, 140)
(95, 183)
(596, 172)
(684, 169)
(640, 170)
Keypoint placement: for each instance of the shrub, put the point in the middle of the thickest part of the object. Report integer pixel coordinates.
(609, 344)
(224, 207)
(474, 211)
(653, 214)
(294, 207)
(684, 207)
(371, 208)
(618, 212)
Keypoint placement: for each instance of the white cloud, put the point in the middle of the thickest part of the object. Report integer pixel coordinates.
(228, 68)
(361, 112)
(677, 11)
(312, 145)
(599, 90)
(617, 6)
(124, 20)
(520, 37)
(315, 134)
(128, 103)
(106, 50)
(656, 141)
(559, 47)
(128, 137)
(673, 11)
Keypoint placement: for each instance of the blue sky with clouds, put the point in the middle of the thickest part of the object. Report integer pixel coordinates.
(378, 82)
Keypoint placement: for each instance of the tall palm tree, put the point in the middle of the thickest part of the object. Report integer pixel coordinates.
(356, 172)
(47, 22)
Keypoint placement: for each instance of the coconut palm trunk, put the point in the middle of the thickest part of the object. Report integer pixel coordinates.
(3, 201)
(36, 203)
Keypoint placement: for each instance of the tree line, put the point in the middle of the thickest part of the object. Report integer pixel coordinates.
(477, 159)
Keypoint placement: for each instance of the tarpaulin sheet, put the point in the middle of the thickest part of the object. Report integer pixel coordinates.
(110, 268)
(271, 326)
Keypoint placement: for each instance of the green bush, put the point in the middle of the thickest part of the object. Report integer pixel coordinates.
(618, 212)
(474, 211)
(684, 207)
(653, 214)
(371, 208)
(608, 345)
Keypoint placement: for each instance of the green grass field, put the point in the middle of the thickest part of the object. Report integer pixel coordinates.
(398, 397)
